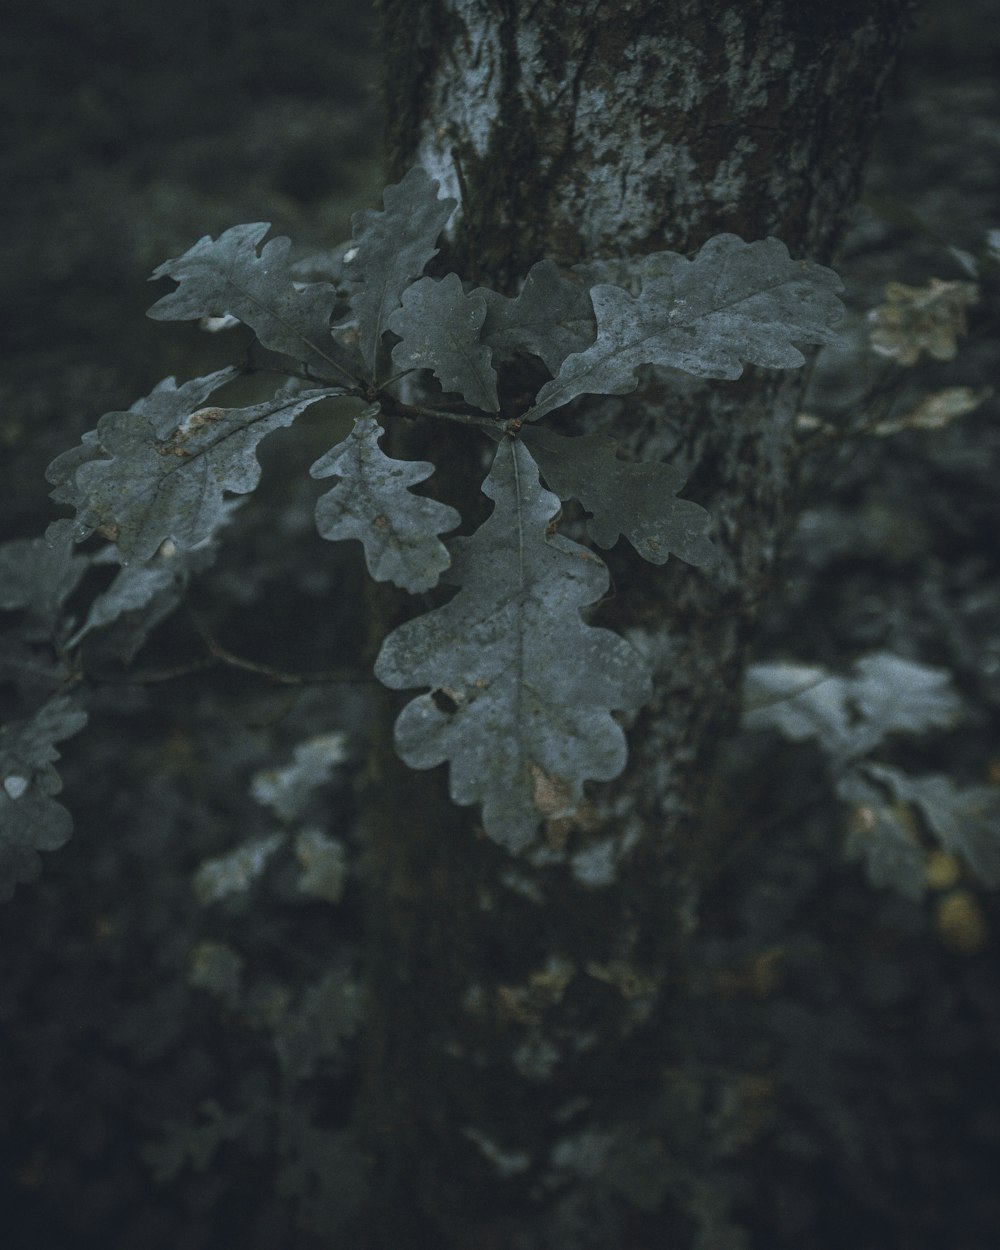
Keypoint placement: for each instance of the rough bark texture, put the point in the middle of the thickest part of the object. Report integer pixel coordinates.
(512, 1095)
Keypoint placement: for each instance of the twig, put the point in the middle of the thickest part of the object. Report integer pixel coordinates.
(222, 655)
(394, 407)
(158, 675)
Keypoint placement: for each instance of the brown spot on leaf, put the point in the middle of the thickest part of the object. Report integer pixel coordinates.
(203, 417)
(551, 795)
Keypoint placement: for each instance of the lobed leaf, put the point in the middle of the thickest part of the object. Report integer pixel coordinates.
(144, 593)
(523, 689)
(882, 838)
(915, 319)
(152, 488)
(38, 577)
(850, 716)
(391, 248)
(636, 501)
(30, 818)
(237, 870)
(801, 701)
(328, 1013)
(964, 819)
(226, 275)
(551, 318)
(439, 326)
(896, 695)
(165, 407)
(287, 790)
(373, 503)
(167, 404)
(734, 302)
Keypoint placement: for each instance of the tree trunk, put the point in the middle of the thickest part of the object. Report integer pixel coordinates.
(525, 1008)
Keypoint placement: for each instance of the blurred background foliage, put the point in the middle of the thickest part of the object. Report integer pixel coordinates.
(181, 992)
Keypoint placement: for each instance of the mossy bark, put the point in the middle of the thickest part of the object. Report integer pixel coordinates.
(511, 1099)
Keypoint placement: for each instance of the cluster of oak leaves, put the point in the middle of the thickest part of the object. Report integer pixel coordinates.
(521, 691)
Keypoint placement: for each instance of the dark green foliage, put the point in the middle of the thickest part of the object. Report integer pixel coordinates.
(882, 837)
(551, 317)
(851, 718)
(964, 819)
(523, 691)
(142, 594)
(38, 577)
(30, 818)
(441, 330)
(226, 275)
(837, 1087)
(390, 250)
(152, 489)
(734, 302)
(373, 503)
(630, 500)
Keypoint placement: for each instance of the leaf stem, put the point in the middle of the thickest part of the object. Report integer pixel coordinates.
(394, 407)
(292, 328)
(305, 374)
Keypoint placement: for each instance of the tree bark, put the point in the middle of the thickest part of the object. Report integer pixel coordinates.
(524, 1008)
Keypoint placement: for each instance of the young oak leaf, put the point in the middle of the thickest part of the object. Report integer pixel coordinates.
(551, 318)
(964, 819)
(882, 837)
(734, 302)
(30, 818)
(391, 248)
(635, 500)
(850, 716)
(226, 275)
(915, 319)
(164, 407)
(142, 595)
(151, 488)
(373, 503)
(523, 689)
(38, 577)
(895, 695)
(439, 326)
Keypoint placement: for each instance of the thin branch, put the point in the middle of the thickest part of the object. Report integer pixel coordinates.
(223, 656)
(464, 418)
(220, 655)
(396, 378)
(156, 676)
(394, 407)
